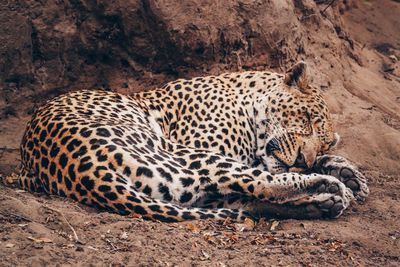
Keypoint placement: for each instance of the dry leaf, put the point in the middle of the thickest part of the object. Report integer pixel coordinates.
(92, 248)
(11, 179)
(192, 227)
(20, 191)
(333, 246)
(250, 224)
(209, 237)
(9, 245)
(232, 237)
(274, 225)
(205, 256)
(40, 240)
(124, 235)
(393, 58)
(44, 240)
(247, 225)
(263, 239)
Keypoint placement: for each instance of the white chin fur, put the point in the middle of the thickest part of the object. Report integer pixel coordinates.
(274, 166)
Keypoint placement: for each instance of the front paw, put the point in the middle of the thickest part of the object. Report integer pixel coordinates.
(346, 172)
(327, 197)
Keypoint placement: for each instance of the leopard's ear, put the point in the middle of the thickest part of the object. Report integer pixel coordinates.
(297, 77)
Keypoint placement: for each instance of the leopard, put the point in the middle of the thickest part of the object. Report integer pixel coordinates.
(239, 145)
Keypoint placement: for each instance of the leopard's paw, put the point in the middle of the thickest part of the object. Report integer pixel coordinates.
(346, 172)
(328, 197)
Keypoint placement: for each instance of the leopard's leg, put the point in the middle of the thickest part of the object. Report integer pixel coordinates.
(345, 171)
(314, 196)
(130, 201)
(307, 196)
(322, 192)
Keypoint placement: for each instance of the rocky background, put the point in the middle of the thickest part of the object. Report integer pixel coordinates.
(353, 52)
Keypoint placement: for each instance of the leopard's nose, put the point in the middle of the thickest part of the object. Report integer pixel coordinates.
(309, 159)
(300, 161)
(306, 158)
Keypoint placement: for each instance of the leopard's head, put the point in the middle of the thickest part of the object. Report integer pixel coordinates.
(293, 124)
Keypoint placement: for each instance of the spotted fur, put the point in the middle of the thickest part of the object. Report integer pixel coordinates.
(208, 147)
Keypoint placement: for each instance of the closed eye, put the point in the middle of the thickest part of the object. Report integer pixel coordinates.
(300, 160)
(271, 146)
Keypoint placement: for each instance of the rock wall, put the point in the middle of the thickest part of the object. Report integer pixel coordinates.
(50, 45)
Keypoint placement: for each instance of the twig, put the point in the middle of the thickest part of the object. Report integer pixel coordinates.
(67, 222)
(16, 216)
(329, 4)
(8, 149)
(14, 198)
(114, 248)
(308, 16)
(239, 61)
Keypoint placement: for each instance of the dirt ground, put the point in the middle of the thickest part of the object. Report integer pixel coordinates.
(353, 49)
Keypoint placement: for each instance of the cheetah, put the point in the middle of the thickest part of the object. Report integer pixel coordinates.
(237, 145)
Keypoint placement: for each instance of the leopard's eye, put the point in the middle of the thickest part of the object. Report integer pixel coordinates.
(272, 145)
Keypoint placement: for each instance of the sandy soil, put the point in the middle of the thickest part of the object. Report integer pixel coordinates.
(362, 88)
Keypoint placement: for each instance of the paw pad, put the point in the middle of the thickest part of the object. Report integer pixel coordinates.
(352, 185)
(346, 173)
(333, 189)
(327, 204)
